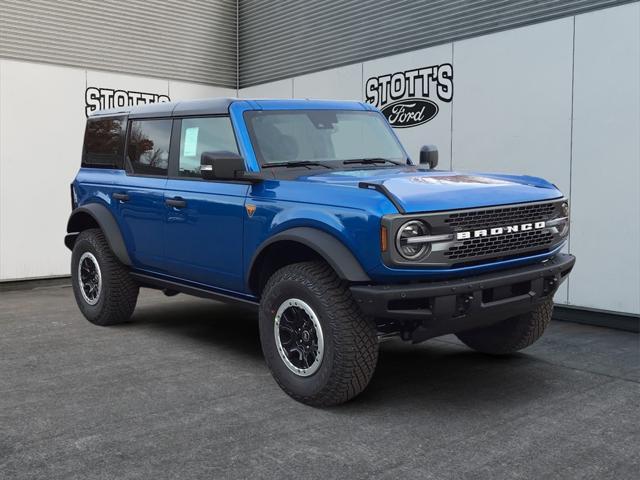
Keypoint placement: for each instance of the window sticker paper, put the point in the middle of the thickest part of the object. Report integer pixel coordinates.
(190, 146)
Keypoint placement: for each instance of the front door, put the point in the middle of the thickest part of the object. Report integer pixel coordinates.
(204, 219)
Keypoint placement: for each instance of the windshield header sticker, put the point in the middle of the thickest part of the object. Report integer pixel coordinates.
(190, 148)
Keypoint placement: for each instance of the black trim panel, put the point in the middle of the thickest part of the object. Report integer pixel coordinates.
(107, 224)
(327, 246)
(379, 187)
(451, 306)
(160, 283)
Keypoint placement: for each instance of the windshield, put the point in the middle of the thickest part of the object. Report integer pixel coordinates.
(322, 136)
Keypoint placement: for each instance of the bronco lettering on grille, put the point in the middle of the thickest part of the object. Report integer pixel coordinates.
(488, 232)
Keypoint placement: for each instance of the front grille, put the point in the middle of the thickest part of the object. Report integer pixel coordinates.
(498, 217)
(477, 235)
(509, 243)
(505, 244)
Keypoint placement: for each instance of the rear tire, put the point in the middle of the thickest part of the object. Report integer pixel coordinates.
(105, 292)
(309, 307)
(510, 335)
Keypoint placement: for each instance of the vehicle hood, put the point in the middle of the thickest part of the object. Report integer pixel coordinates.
(417, 190)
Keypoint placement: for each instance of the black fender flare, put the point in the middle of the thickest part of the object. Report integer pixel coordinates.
(103, 217)
(334, 252)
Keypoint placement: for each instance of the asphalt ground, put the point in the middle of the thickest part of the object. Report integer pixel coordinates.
(182, 392)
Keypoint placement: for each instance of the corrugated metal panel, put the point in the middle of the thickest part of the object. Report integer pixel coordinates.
(190, 40)
(283, 39)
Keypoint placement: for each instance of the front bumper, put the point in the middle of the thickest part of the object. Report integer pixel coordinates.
(439, 308)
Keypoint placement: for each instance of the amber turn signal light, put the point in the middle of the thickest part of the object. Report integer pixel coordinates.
(383, 238)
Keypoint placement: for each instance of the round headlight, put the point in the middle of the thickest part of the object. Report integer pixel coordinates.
(411, 249)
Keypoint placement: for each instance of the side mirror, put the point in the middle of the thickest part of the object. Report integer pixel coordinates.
(429, 156)
(221, 166)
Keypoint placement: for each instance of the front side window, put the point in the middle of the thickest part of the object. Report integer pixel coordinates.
(321, 135)
(104, 142)
(200, 135)
(148, 146)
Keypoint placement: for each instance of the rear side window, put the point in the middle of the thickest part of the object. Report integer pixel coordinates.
(104, 142)
(148, 146)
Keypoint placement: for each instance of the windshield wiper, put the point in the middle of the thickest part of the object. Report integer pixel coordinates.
(300, 163)
(370, 161)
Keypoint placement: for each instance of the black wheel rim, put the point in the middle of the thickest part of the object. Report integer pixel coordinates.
(299, 337)
(89, 278)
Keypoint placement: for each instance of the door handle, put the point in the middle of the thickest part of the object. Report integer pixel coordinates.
(176, 202)
(122, 197)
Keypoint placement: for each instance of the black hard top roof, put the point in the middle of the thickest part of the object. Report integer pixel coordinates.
(218, 106)
(210, 106)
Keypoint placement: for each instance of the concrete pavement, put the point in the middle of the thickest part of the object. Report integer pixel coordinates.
(182, 392)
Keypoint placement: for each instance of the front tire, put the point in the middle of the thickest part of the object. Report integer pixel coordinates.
(320, 348)
(512, 334)
(105, 292)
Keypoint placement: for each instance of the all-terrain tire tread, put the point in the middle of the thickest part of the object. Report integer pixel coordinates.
(512, 334)
(354, 335)
(120, 291)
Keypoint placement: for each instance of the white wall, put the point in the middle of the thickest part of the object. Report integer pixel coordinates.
(40, 145)
(279, 89)
(193, 91)
(605, 173)
(560, 100)
(512, 109)
(42, 117)
(343, 83)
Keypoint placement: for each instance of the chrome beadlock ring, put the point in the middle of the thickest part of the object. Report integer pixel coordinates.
(298, 336)
(89, 278)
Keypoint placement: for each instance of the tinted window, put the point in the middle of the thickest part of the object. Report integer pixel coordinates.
(148, 146)
(104, 142)
(199, 135)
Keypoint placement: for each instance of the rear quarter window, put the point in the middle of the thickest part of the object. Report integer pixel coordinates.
(148, 147)
(104, 143)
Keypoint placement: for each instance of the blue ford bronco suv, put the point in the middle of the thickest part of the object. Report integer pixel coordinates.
(313, 213)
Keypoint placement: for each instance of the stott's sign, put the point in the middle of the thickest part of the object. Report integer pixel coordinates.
(409, 113)
(101, 98)
(408, 98)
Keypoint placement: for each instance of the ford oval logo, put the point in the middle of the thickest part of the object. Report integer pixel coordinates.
(410, 112)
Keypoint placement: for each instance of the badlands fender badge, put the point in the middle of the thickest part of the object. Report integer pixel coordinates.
(251, 209)
(490, 232)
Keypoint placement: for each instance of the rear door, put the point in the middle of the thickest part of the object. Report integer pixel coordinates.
(204, 218)
(139, 194)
